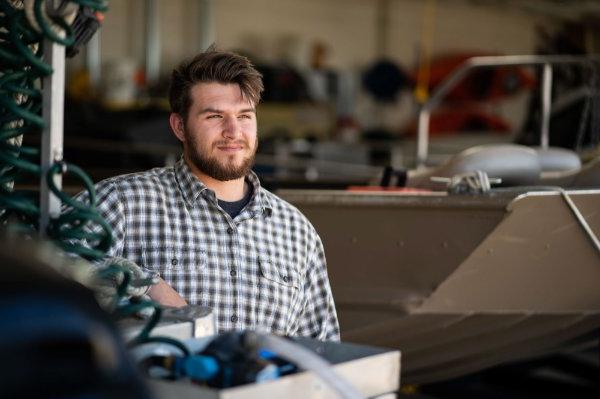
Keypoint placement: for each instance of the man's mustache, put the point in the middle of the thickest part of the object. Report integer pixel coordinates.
(224, 143)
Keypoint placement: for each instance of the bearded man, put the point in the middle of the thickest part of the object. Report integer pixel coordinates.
(207, 227)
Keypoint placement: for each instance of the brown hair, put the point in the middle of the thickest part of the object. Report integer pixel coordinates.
(213, 65)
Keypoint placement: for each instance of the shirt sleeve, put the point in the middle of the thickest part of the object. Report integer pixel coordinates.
(319, 318)
(112, 209)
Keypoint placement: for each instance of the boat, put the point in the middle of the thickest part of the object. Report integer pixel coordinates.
(461, 276)
(460, 283)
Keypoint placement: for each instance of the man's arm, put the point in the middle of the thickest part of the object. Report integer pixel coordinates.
(319, 318)
(162, 293)
(112, 209)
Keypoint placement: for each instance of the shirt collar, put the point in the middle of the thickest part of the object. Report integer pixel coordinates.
(191, 187)
(259, 203)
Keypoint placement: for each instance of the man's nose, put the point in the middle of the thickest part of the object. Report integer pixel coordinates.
(231, 127)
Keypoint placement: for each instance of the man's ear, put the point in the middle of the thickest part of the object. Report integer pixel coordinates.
(177, 126)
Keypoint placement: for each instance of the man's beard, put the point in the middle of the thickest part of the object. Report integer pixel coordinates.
(215, 168)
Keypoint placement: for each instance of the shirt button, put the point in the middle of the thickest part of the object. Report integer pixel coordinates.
(230, 230)
(232, 273)
(285, 278)
(174, 262)
(234, 318)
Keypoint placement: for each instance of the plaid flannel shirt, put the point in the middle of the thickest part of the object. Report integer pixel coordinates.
(264, 269)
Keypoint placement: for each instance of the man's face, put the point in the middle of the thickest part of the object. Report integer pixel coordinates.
(219, 135)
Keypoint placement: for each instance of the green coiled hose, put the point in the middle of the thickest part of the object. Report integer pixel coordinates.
(21, 72)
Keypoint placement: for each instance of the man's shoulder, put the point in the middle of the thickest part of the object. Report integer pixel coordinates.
(152, 179)
(282, 209)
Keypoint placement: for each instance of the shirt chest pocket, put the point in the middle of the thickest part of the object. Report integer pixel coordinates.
(274, 272)
(278, 292)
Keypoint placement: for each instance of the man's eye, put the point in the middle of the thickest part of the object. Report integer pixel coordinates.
(245, 116)
(215, 116)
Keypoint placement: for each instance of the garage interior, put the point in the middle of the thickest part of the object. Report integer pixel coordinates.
(446, 152)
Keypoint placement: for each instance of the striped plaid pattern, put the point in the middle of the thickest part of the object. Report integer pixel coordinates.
(265, 269)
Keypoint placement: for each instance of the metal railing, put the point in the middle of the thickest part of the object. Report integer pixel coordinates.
(494, 61)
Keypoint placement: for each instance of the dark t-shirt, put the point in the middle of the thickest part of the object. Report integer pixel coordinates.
(234, 208)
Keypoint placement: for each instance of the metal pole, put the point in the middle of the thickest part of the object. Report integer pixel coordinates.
(546, 106)
(206, 16)
(93, 59)
(383, 16)
(152, 41)
(52, 136)
(423, 137)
